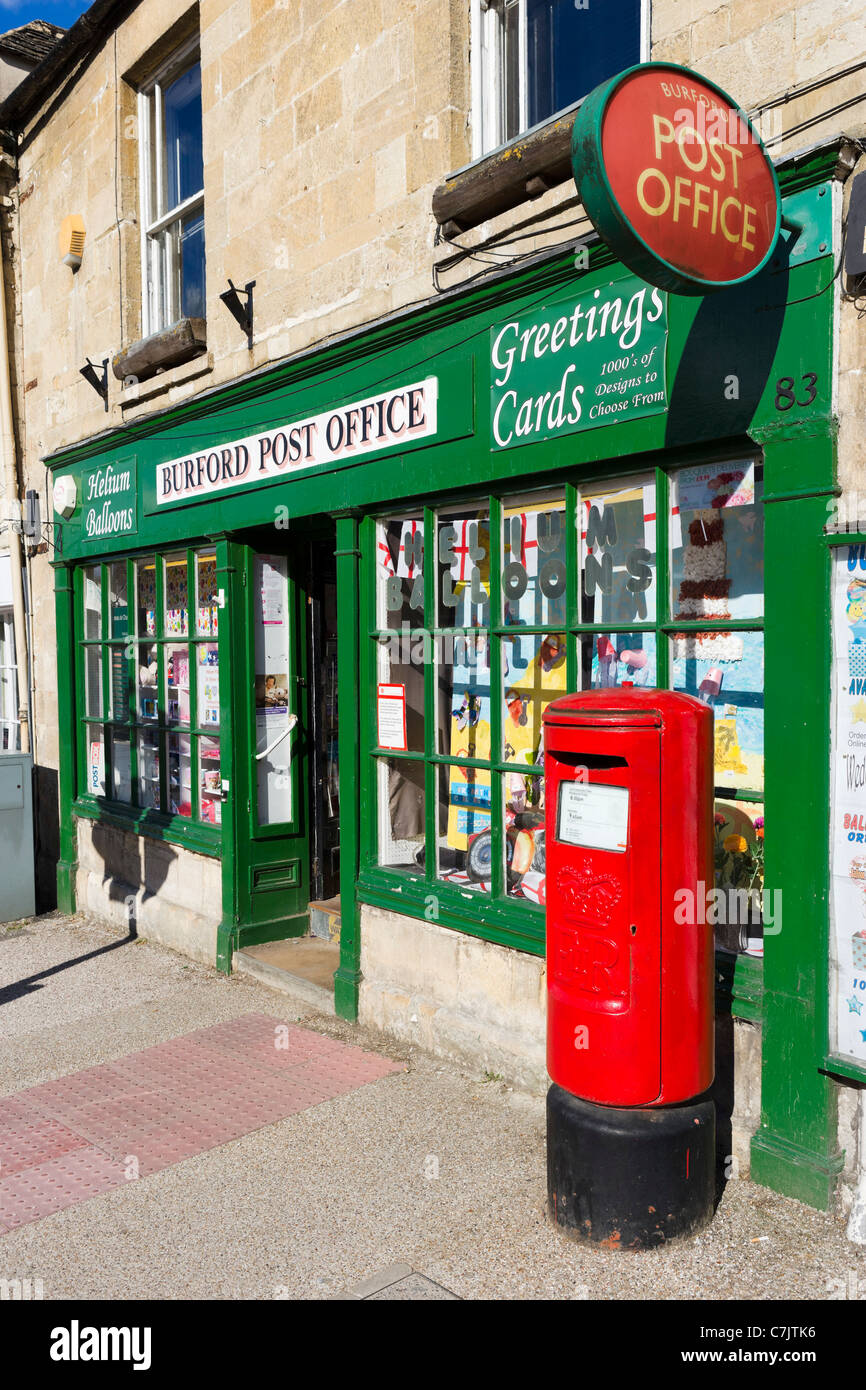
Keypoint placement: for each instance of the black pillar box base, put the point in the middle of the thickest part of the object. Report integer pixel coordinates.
(629, 1179)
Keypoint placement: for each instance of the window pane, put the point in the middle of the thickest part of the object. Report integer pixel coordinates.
(184, 169)
(463, 694)
(148, 693)
(192, 297)
(118, 602)
(463, 568)
(121, 764)
(533, 561)
(148, 769)
(511, 69)
(400, 572)
(146, 582)
(179, 775)
(95, 760)
(571, 48)
(726, 670)
(119, 683)
(465, 850)
(524, 837)
(176, 596)
(617, 553)
(617, 658)
(273, 687)
(206, 622)
(93, 680)
(739, 873)
(210, 780)
(401, 813)
(177, 685)
(400, 665)
(533, 674)
(717, 542)
(92, 603)
(208, 685)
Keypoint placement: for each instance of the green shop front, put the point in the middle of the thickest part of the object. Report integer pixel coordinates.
(308, 624)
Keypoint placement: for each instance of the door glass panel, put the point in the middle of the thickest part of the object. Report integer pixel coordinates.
(274, 717)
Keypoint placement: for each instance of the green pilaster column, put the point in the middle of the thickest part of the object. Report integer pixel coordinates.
(348, 975)
(795, 1150)
(64, 609)
(231, 631)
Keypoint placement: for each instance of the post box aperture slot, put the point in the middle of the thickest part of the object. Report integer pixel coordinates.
(596, 762)
(593, 815)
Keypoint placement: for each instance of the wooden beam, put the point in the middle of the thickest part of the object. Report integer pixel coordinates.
(524, 169)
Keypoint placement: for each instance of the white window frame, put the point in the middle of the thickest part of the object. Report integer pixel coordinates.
(488, 97)
(158, 280)
(10, 725)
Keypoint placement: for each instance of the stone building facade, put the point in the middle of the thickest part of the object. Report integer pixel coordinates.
(346, 174)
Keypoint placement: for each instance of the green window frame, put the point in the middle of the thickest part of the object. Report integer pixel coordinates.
(496, 915)
(109, 669)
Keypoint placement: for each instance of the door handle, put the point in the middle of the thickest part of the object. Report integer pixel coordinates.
(284, 733)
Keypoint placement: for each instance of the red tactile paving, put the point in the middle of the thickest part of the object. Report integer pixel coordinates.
(81, 1135)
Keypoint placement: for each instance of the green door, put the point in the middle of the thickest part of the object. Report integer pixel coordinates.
(275, 706)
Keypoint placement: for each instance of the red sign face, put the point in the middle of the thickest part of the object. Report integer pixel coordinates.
(690, 175)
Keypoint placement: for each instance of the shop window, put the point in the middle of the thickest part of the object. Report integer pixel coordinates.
(528, 596)
(172, 183)
(149, 685)
(538, 57)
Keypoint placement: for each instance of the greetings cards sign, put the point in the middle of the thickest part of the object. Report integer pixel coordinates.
(595, 360)
(848, 808)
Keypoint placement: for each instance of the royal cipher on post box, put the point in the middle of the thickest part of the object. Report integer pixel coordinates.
(629, 824)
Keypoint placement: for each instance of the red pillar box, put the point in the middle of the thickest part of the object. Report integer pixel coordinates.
(629, 847)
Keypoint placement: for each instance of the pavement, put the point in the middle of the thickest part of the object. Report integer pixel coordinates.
(419, 1182)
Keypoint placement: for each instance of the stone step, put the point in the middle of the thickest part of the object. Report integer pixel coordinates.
(302, 968)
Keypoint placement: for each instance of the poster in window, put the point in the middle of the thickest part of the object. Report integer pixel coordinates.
(848, 806)
(391, 717)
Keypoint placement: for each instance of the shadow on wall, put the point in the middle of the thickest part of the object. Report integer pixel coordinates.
(135, 867)
(46, 829)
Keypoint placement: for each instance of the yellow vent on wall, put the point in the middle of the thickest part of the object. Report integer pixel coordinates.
(72, 240)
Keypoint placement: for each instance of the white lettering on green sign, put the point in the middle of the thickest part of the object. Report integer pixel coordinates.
(572, 366)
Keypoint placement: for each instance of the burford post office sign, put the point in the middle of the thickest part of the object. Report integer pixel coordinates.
(108, 500)
(334, 438)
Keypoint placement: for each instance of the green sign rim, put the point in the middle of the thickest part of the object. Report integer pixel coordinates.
(602, 207)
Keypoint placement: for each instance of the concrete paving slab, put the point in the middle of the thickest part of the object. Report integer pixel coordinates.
(436, 1170)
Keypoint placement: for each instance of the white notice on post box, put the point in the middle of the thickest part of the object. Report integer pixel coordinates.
(593, 816)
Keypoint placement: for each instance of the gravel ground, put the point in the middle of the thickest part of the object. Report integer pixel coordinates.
(430, 1168)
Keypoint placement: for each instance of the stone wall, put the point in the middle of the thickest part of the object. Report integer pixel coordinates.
(169, 894)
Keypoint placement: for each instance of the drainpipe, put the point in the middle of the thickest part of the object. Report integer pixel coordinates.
(10, 484)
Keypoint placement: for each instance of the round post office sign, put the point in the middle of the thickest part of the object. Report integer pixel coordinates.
(675, 179)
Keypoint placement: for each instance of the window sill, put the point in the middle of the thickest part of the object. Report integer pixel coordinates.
(524, 169)
(170, 347)
(203, 839)
(506, 922)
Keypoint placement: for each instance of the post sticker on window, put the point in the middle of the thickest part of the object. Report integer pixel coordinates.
(593, 816)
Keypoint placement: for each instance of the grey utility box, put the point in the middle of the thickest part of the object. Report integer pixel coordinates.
(17, 868)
